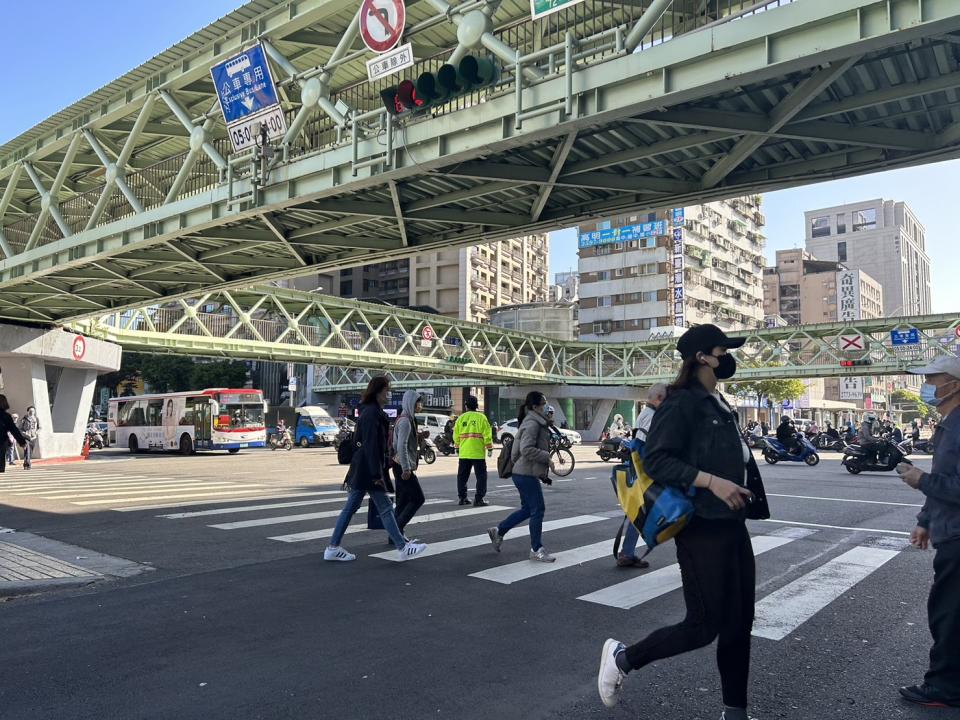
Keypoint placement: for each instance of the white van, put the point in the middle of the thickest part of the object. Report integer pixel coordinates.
(432, 422)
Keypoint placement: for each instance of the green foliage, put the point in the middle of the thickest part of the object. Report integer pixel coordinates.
(175, 373)
(223, 373)
(776, 390)
(913, 407)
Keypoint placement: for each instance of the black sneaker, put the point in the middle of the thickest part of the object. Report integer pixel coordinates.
(464, 501)
(480, 502)
(928, 696)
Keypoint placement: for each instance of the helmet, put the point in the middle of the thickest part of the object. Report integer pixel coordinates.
(870, 417)
(548, 410)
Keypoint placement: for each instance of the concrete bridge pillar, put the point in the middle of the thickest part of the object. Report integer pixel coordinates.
(55, 371)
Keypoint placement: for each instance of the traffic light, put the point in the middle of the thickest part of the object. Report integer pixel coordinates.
(439, 87)
(856, 363)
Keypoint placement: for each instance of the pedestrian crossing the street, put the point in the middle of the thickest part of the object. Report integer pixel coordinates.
(109, 488)
(812, 581)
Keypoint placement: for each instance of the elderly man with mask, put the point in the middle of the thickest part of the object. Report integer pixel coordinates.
(938, 523)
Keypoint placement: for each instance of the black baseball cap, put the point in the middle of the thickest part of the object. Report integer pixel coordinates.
(704, 338)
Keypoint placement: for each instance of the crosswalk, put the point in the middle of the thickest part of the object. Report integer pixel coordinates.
(799, 597)
(116, 489)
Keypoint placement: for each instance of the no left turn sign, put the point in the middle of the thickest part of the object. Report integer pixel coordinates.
(382, 23)
(427, 333)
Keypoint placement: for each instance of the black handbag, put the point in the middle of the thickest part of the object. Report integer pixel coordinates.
(758, 508)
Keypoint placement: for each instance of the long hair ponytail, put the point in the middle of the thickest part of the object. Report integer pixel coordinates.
(533, 399)
(686, 377)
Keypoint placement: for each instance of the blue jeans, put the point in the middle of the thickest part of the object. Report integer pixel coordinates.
(384, 507)
(630, 537)
(531, 506)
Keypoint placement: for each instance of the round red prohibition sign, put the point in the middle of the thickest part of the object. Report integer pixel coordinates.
(956, 332)
(79, 347)
(382, 23)
(427, 333)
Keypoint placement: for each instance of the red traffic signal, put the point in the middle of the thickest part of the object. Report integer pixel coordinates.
(400, 98)
(856, 363)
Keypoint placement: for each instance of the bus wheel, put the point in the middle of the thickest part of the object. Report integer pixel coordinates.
(233, 450)
(133, 444)
(186, 445)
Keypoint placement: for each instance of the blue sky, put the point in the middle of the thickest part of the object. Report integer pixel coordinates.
(117, 38)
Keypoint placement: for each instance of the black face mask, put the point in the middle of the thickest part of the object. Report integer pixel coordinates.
(726, 368)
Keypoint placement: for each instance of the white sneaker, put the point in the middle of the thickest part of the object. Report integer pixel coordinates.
(411, 550)
(610, 679)
(542, 555)
(338, 554)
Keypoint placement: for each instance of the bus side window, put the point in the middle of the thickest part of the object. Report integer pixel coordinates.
(137, 416)
(155, 413)
(123, 411)
(187, 418)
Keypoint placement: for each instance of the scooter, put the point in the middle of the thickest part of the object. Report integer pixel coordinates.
(612, 448)
(428, 452)
(445, 445)
(888, 456)
(774, 452)
(282, 441)
(824, 442)
(95, 439)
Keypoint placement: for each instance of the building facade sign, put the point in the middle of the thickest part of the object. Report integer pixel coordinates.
(679, 316)
(623, 234)
(848, 295)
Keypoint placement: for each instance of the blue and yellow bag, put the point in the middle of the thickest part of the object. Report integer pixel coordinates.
(658, 512)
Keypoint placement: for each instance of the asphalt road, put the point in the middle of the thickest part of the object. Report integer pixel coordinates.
(235, 624)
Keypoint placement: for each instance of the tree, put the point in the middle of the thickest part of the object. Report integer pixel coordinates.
(223, 373)
(913, 407)
(776, 389)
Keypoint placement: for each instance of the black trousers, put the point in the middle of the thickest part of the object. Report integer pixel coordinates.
(719, 588)
(943, 613)
(409, 496)
(463, 474)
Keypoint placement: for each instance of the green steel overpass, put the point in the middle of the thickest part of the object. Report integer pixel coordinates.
(356, 340)
(132, 197)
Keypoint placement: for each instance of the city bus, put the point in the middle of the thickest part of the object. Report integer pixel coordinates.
(214, 419)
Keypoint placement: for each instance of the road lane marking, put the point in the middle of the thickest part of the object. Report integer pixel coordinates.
(249, 508)
(168, 496)
(463, 543)
(417, 520)
(180, 487)
(185, 503)
(284, 519)
(525, 569)
(849, 500)
(638, 590)
(784, 610)
(836, 527)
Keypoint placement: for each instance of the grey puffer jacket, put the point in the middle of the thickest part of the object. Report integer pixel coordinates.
(406, 443)
(531, 449)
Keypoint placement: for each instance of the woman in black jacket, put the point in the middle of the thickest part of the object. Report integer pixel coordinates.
(368, 473)
(7, 425)
(694, 442)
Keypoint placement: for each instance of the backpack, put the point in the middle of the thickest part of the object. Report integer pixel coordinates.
(657, 511)
(505, 459)
(348, 448)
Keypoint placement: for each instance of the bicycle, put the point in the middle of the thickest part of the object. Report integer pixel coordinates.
(561, 455)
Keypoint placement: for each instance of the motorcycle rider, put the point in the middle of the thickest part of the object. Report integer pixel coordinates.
(869, 442)
(832, 432)
(787, 435)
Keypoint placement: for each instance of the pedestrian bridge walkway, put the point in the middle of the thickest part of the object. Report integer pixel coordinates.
(357, 339)
(132, 196)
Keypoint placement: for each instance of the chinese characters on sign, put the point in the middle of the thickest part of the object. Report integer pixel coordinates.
(676, 217)
(540, 8)
(397, 59)
(851, 388)
(848, 295)
(623, 234)
(247, 96)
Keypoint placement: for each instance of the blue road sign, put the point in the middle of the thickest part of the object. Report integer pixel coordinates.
(905, 337)
(244, 85)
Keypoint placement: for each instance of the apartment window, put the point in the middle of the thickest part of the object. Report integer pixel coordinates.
(865, 219)
(603, 275)
(820, 226)
(647, 269)
(651, 217)
(841, 223)
(650, 296)
(618, 272)
(605, 301)
(841, 252)
(599, 328)
(346, 288)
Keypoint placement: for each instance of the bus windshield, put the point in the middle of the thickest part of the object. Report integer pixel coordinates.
(241, 410)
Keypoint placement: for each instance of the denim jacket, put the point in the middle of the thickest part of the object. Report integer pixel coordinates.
(941, 486)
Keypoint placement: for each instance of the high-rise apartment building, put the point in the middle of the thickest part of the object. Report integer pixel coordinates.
(884, 239)
(672, 268)
(803, 290)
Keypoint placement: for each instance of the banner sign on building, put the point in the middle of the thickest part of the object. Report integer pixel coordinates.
(679, 316)
(851, 388)
(542, 8)
(848, 295)
(623, 234)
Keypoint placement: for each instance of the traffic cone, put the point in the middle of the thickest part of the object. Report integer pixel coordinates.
(85, 452)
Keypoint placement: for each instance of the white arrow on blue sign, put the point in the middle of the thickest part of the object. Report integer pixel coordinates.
(905, 337)
(247, 95)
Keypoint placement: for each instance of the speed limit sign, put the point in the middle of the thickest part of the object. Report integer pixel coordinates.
(79, 347)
